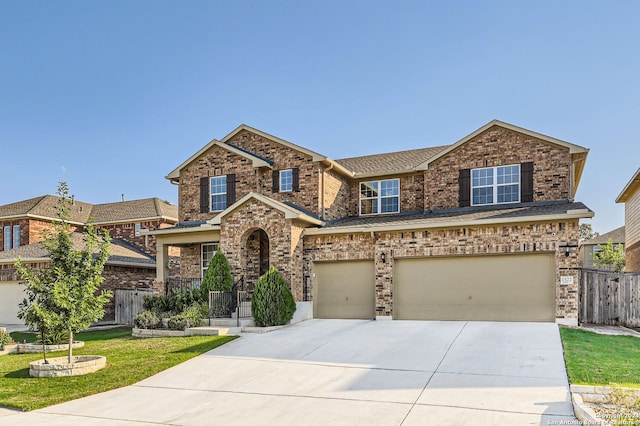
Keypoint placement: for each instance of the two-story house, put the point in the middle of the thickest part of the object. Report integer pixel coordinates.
(630, 196)
(132, 262)
(483, 229)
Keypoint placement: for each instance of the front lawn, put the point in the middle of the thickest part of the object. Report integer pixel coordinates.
(597, 359)
(129, 360)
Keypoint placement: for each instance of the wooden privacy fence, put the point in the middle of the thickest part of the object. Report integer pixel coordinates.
(611, 298)
(129, 303)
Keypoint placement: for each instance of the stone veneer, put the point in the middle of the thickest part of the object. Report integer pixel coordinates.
(475, 240)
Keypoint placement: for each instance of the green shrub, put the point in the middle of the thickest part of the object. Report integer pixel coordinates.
(217, 277)
(192, 316)
(272, 302)
(5, 338)
(56, 337)
(159, 303)
(147, 319)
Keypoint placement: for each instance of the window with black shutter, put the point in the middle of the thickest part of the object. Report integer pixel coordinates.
(231, 189)
(275, 185)
(526, 182)
(295, 173)
(204, 195)
(464, 187)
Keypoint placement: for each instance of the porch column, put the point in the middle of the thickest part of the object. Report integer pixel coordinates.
(162, 256)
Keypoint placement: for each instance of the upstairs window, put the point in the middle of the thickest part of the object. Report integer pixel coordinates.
(218, 193)
(16, 236)
(495, 185)
(138, 228)
(7, 238)
(380, 196)
(286, 180)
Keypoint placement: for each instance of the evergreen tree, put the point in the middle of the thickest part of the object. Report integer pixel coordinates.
(272, 302)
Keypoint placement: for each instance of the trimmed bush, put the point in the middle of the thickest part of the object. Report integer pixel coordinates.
(272, 302)
(5, 338)
(147, 320)
(190, 317)
(217, 277)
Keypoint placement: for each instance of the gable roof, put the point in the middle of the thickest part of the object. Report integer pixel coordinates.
(289, 211)
(389, 163)
(122, 252)
(258, 161)
(44, 207)
(630, 188)
(617, 235)
(573, 149)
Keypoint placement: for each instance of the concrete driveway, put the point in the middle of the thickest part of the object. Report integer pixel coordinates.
(348, 372)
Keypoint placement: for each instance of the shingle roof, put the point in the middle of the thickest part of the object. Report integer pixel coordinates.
(465, 214)
(390, 162)
(617, 235)
(121, 251)
(45, 206)
(134, 209)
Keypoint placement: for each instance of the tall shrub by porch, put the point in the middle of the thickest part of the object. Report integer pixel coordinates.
(272, 302)
(217, 276)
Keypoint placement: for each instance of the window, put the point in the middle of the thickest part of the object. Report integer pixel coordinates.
(7, 238)
(207, 251)
(16, 236)
(286, 180)
(138, 227)
(218, 193)
(495, 185)
(380, 196)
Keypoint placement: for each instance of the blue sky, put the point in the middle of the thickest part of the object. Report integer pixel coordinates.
(110, 96)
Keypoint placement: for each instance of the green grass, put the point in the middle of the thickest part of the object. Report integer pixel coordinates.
(597, 359)
(129, 360)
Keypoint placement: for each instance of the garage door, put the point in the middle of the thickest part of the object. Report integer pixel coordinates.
(486, 288)
(11, 294)
(344, 289)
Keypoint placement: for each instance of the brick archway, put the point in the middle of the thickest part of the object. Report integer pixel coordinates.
(255, 255)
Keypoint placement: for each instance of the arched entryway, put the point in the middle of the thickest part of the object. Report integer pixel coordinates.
(256, 256)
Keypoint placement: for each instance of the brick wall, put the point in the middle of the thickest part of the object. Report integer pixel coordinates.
(520, 238)
(127, 232)
(125, 277)
(496, 147)
(218, 161)
(337, 196)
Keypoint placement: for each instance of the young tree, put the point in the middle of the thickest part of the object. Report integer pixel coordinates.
(610, 255)
(71, 282)
(586, 232)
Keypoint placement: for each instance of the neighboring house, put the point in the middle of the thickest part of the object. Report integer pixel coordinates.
(483, 229)
(630, 196)
(131, 265)
(590, 247)
(127, 267)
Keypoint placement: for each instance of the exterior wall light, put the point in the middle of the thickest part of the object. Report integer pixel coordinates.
(383, 258)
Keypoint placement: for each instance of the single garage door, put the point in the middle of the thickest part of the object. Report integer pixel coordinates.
(486, 288)
(11, 294)
(344, 289)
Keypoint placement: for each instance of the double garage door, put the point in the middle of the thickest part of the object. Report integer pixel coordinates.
(518, 287)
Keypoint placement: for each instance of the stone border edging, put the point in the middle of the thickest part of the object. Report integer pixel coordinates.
(59, 367)
(582, 394)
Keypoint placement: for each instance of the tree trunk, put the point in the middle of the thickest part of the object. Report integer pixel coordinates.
(44, 346)
(70, 346)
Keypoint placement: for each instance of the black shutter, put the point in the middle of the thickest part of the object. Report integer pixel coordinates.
(464, 185)
(276, 181)
(204, 194)
(295, 178)
(526, 182)
(231, 189)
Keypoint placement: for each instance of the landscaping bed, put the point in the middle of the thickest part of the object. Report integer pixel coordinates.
(129, 360)
(604, 372)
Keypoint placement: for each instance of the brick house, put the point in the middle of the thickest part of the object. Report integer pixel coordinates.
(132, 261)
(483, 229)
(630, 196)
